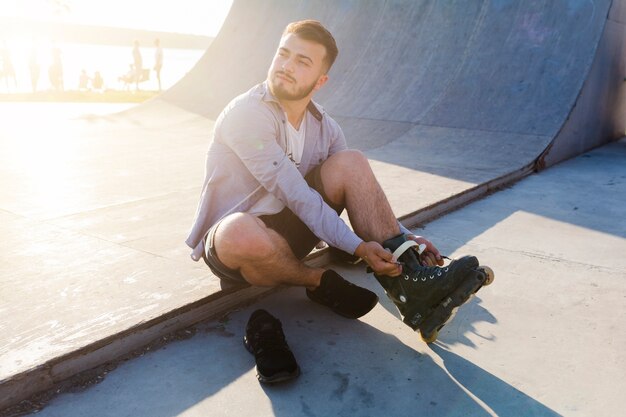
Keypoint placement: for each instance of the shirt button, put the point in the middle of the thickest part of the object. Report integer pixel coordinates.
(275, 163)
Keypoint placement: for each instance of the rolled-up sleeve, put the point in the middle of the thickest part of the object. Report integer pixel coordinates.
(338, 139)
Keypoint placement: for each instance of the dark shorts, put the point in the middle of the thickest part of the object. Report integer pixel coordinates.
(300, 238)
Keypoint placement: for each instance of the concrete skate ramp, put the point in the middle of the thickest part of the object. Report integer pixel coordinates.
(470, 90)
(447, 98)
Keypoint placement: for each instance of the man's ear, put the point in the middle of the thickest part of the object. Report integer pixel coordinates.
(321, 81)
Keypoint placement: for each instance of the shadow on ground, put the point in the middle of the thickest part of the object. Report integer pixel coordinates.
(349, 368)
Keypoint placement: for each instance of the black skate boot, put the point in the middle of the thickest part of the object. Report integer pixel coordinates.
(427, 297)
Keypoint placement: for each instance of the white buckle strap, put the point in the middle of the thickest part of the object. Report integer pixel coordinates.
(405, 246)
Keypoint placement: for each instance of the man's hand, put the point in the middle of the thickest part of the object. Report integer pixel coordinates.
(378, 258)
(431, 255)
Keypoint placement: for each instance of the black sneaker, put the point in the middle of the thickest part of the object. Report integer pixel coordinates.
(343, 297)
(266, 341)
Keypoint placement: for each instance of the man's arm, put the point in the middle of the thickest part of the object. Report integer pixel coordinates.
(250, 131)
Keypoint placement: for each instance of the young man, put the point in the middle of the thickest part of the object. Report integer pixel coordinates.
(278, 175)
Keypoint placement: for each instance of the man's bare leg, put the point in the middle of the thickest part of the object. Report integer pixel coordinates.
(263, 257)
(244, 243)
(348, 180)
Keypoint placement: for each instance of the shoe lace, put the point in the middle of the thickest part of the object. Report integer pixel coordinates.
(269, 337)
(425, 273)
(416, 271)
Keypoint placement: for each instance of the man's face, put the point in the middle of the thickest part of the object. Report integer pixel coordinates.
(298, 69)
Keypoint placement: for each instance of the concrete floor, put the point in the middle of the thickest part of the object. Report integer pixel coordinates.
(545, 339)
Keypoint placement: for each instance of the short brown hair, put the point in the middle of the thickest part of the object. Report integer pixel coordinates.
(314, 31)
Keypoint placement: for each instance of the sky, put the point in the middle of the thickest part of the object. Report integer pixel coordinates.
(198, 17)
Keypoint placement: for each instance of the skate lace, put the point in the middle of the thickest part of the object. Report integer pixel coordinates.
(426, 273)
(423, 273)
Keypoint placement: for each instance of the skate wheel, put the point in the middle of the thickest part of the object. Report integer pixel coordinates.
(430, 338)
(490, 276)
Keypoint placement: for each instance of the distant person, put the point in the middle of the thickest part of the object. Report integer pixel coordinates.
(137, 64)
(158, 60)
(55, 72)
(35, 69)
(97, 82)
(7, 70)
(83, 81)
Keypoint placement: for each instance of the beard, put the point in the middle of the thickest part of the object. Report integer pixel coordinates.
(280, 92)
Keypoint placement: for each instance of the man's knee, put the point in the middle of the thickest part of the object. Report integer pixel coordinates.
(347, 160)
(341, 171)
(241, 236)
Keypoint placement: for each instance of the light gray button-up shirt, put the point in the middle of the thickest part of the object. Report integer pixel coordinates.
(246, 160)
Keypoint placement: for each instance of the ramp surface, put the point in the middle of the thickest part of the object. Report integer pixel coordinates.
(502, 75)
(470, 93)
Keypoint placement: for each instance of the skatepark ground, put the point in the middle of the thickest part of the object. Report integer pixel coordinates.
(95, 274)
